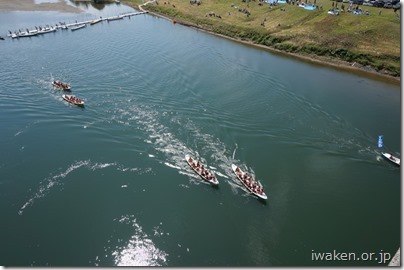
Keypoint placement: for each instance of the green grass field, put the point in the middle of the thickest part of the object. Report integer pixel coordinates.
(369, 40)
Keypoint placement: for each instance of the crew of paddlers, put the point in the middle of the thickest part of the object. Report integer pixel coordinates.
(70, 98)
(248, 181)
(201, 169)
(75, 99)
(253, 186)
(61, 85)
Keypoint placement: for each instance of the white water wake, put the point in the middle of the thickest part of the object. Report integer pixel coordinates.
(49, 183)
(139, 250)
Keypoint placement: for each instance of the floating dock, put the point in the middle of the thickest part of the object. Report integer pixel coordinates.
(67, 25)
(107, 18)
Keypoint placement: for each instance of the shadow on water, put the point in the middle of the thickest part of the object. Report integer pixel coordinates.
(264, 202)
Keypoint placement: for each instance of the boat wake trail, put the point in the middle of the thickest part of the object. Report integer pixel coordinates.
(310, 125)
(47, 184)
(172, 135)
(234, 152)
(170, 150)
(24, 129)
(213, 152)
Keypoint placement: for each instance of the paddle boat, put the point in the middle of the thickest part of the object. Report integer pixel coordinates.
(23, 34)
(113, 18)
(95, 21)
(63, 86)
(252, 186)
(201, 170)
(47, 29)
(78, 27)
(73, 99)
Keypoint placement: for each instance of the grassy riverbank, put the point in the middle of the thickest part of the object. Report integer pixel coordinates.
(369, 42)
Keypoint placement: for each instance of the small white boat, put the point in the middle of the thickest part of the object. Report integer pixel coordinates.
(23, 34)
(61, 25)
(201, 170)
(46, 30)
(392, 158)
(32, 31)
(95, 21)
(78, 27)
(119, 17)
(73, 99)
(251, 185)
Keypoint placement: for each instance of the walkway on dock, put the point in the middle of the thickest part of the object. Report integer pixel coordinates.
(60, 25)
(108, 18)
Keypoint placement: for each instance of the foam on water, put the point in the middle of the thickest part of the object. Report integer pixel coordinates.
(167, 143)
(172, 166)
(24, 129)
(139, 250)
(47, 184)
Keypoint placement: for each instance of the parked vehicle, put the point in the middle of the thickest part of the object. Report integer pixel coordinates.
(378, 4)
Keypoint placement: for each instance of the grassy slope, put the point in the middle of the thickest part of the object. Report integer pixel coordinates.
(371, 41)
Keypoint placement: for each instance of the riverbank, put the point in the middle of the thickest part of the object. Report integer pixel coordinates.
(355, 42)
(30, 5)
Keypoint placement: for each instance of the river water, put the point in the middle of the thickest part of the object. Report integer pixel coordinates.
(107, 184)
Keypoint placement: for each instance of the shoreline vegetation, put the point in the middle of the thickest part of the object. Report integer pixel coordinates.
(367, 44)
(361, 43)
